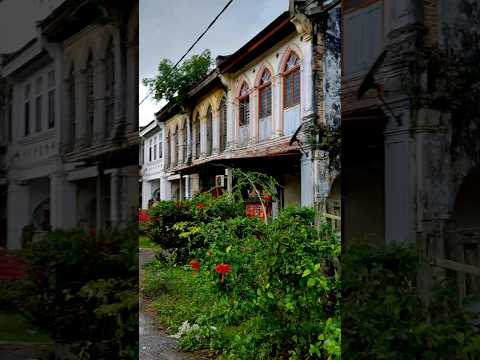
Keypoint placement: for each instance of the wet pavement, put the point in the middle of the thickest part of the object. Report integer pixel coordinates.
(154, 343)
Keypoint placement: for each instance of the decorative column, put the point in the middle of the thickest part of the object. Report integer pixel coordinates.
(253, 126)
(80, 108)
(115, 186)
(18, 213)
(277, 105)
(203, 136)
(215, 132)
(63, 208)
(232, 127)
(100, 196)
(306, 77)
(132, 87)
(99, 126)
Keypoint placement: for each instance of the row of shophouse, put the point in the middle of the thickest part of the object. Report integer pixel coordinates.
(405, 176)
(69, 123)
(248, 113)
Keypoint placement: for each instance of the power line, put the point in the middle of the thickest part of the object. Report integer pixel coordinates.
(193, 45)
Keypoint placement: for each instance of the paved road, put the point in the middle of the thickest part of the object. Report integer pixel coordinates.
(155, 344)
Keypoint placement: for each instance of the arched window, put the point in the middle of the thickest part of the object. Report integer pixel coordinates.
(265, 95)
(209, 131)
(90, 100)
(223, 124)
(291, 82)
(72, 104)
(109, 87)
(196, 134)
(244, 106)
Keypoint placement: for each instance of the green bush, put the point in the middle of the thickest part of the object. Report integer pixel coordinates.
(281, 295)
(83, 291)
(384, 318)
(175, 224)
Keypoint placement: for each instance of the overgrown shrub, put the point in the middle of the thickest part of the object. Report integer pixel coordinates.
(84, 291)
(175, 224)
(384, 318)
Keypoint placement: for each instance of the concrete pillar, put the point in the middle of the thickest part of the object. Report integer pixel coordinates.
(18, 210)
(306, 181)
(203, 136)
(253, 118)
(99, 196)
(63, 201)
(399, 182)
(231, 120)
(99, 125)
(216, 132)
(129, 194)
(146, 193)
(132, 87)
(80, 108)
(115, 186)
(306, 78)
(277, 105)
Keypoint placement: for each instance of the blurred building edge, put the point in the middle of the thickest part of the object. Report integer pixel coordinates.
(69, 143)
(247, 112)
(413, 175)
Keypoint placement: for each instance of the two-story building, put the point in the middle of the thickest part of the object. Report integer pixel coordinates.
(151, 161)
(245, 114)
(412, 164)
(33, 152)
(73, 94)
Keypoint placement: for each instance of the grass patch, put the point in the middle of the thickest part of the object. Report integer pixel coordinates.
(146, 243)
(15, 328)
(180, 295)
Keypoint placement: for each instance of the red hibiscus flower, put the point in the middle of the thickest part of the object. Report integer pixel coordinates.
(143, 217)
(223, 269)
(194, 265)
(200, 206)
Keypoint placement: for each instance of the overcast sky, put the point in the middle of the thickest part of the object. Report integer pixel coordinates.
(168, 28)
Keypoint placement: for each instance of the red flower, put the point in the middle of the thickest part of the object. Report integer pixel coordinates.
(194, 265)
(143, 217)
(223, 269)
(200, 206)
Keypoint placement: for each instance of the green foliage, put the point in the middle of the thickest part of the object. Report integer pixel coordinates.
(176, 224)
(91, 283)
(278, 301)
(173, 84)
(384, 318)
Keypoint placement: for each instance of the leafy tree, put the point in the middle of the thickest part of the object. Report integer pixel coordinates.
(173, 83)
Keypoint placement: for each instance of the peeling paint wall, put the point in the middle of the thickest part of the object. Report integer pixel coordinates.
(332, 71)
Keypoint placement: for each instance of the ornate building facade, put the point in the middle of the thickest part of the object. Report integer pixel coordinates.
(73, 158)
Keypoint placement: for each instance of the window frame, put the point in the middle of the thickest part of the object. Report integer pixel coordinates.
(242, 100)
(262, 87)
(290, 73)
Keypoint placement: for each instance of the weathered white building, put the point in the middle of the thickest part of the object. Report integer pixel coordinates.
(244, 115)
(33, 155)
(72, 160)
(151, 161)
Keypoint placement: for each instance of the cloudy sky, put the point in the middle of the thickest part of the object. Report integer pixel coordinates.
(168, 28)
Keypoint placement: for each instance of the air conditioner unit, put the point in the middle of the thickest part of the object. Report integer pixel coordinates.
(220, 181)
